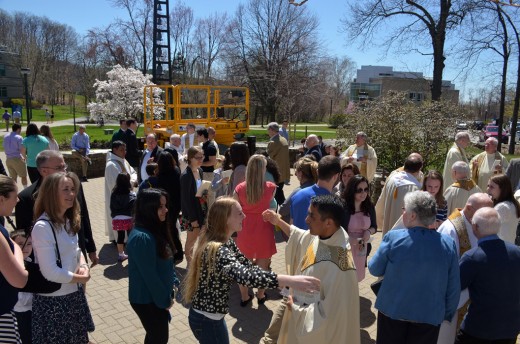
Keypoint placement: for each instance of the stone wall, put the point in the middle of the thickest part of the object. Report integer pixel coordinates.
(97, 169)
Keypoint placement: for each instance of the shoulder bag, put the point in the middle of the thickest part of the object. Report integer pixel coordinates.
(37, 283)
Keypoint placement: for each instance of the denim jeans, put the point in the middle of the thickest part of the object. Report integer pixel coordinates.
(206, 330)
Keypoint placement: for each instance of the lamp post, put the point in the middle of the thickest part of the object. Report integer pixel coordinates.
(25, 72)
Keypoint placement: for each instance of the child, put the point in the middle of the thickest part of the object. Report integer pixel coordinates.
(121, 208)
(151, 182)
(219, 185)
(23, 308)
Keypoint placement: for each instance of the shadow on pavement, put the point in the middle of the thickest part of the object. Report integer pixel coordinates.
(367, 318)
(365, 338)
(253, 320)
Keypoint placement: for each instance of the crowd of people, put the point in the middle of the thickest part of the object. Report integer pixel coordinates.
(448, 269)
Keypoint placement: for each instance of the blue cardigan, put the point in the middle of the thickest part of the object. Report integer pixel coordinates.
(421, 275)
(491, 272)
(150, 278)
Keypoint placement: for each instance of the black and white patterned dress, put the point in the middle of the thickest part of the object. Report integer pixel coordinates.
(212, 293)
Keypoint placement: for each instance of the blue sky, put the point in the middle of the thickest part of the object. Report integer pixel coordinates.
(83, 15)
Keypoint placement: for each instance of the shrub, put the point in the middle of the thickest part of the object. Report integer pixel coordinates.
(337, 120)
(397, 127)
(18, 101)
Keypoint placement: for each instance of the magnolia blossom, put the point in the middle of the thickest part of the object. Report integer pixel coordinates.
(121, 96)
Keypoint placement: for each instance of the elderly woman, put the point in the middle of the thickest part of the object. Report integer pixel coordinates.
(428, 261)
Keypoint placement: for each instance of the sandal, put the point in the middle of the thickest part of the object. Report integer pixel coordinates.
(246, 302)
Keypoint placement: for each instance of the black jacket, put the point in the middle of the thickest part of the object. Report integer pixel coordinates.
(121, 204)
(132, 153)
(316, 151)
(171, 183)
(190, 205)
(174, 153)
(24, 213)
(154, 156)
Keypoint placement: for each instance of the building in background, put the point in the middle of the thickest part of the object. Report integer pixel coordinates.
(11, 84)
(374, 81)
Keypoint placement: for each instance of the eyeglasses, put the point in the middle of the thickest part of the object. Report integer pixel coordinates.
(199, 157)
(58, 168)
(362, 190)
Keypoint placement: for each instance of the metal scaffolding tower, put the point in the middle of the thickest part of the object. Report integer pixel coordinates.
(161, 70)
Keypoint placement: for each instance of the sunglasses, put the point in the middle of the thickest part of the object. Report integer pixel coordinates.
(362, 190)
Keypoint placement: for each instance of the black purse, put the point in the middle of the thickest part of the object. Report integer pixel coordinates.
(36, 283)
(376, 286)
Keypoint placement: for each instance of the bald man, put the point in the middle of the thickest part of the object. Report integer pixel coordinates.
(463, 186)
(456, 153)
(491, 272)
(459, 228)
(313, 147)
(486, 164)
(398, 184)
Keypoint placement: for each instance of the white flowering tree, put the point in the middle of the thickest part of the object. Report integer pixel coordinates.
(121, 96)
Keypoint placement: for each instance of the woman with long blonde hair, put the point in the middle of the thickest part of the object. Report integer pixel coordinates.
(256, 241)
(217, 262)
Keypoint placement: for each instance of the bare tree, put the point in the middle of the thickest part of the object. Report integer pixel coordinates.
(414, 19)
(210, 36)
(138, 28)
(269, 42)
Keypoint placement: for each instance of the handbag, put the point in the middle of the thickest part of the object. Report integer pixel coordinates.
(376, 286)
(37, 283)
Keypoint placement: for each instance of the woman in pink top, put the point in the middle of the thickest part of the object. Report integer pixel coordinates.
(256, 240)
(360, 220)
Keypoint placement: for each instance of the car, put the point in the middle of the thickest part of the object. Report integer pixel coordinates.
(462, 126)
(478, 125)
(492, 131)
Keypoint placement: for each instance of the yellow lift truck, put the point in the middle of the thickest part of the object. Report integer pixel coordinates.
(225, 108)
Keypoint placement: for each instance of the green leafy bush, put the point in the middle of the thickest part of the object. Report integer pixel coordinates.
(337, 120)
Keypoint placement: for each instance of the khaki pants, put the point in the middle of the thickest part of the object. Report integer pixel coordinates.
(83, 162)
(273, 331)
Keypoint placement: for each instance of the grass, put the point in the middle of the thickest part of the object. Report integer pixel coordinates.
(61, 112)
(63, 135)
(325, 132)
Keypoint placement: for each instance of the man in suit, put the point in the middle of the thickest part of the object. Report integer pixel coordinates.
(120, 134)
(130, 140)
(278, 150)
(491, 272)
(150, 154)
(49, 162)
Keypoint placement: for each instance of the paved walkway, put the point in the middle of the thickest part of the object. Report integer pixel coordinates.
(117, 323)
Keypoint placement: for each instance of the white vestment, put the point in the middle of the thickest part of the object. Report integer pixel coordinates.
(455, 154)
(332, 314)
(486, 167)
(458, 193)
(390, 203)
(112, 169)
(368, 168)
(448, 329)
(508, 221)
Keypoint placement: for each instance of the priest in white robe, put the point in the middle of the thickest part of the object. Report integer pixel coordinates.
(458, 227)
(457, 193)
(323, 251)
(116, 163)
(390, 203)
(488, 163)
(363, 155)
(456, 153)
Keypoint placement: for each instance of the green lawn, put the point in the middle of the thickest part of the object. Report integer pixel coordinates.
(61, 112)
(63, 135)
(326, 133)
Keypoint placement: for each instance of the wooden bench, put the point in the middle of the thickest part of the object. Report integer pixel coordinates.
(108, 131)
